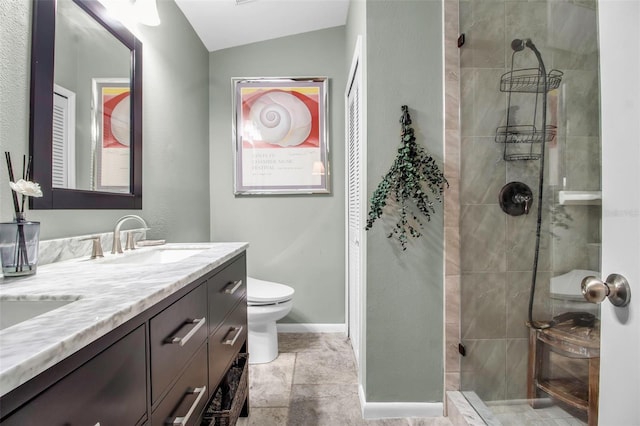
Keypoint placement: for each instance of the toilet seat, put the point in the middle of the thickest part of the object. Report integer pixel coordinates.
(263, 293)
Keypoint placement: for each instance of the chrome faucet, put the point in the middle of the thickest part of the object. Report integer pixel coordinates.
(117, 244)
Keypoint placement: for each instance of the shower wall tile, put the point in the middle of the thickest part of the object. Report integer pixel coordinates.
(583, 166)
(482, 171)
(564, 60)
(482, 228)
(452, 303)
(452, 255)
(517, 305)
(526, 20)
(484, 368)
(452, 205)
(521, 240)
(575, 30)
(452, 99)
(467, 87)
(517, 356)
(452, 153)
(489, 104)
(483, 23)
(452, 381)
(581, 90)
(452, 356)
(451, 32)
(570, 238)
(483, 301)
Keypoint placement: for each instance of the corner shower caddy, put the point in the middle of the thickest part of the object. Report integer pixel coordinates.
(526, 141)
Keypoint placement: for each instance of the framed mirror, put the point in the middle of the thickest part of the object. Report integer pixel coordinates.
(86, 108)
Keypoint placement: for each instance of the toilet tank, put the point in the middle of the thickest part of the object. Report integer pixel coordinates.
(566, 294)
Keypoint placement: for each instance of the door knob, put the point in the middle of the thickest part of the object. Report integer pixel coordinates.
(616, 288)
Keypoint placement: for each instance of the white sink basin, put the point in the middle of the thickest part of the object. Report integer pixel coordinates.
(13, 312)
(153, 257)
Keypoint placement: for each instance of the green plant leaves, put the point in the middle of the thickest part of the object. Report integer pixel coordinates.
(412, 176)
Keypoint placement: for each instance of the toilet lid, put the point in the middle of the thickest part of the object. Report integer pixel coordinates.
(267, 292)
(568, 286)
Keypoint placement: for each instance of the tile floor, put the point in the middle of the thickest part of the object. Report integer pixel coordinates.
(313, 382)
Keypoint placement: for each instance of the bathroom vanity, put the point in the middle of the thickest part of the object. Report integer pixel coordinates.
(141, 339)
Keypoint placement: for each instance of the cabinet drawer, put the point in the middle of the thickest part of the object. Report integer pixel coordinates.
(226, 342)
(176, 333)
(188, 397)
(109, 390)
(226, 288)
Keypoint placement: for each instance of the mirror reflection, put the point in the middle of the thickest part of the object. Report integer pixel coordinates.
(92, 105)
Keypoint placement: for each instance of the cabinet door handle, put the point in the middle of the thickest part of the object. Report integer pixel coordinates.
(183, 340)
(231, 342)
(182, 421)
(232, 287)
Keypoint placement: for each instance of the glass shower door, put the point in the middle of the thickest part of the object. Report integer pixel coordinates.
(507, 137)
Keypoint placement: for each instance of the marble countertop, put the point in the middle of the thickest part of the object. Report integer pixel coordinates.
(104, 296)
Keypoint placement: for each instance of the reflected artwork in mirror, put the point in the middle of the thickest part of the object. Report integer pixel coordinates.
(86, 108)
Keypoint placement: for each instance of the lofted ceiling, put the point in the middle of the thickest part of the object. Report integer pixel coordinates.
(227, 23)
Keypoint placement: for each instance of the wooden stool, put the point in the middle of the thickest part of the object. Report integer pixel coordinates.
(571, 342)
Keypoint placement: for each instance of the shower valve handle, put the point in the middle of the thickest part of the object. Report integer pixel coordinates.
(523, 199)
(515, 198)
(616, 288)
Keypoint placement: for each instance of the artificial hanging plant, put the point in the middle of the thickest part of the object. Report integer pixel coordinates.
(413, 175)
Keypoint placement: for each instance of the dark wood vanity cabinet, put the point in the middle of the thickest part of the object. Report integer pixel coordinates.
(227, 295)
(159, 368)
(107, 390)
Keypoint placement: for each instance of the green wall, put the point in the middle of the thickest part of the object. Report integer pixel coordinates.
(404, 299)
(296, 239)
(175, 147)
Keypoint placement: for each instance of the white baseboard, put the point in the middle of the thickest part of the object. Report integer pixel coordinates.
(387, 410)
(311, 328)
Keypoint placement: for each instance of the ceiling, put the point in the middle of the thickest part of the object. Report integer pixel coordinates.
(226, 23)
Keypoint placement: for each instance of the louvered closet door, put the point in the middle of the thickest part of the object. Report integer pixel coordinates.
(354, 203)
(63, 139)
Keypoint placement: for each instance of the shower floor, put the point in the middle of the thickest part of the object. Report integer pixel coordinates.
(519, 412)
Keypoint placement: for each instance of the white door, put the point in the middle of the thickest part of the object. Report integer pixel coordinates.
(619, 32)
(354, 202)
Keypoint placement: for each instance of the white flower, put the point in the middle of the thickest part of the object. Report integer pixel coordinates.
(26, 187)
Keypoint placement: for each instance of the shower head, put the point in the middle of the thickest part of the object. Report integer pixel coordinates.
(518, 44)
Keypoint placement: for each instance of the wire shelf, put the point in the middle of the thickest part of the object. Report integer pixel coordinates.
(524, 134)
(529, 80)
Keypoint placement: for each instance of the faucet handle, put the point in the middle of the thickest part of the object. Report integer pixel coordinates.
(96, 248)
(131, 241)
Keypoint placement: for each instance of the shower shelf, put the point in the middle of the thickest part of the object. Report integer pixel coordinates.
(586, 198)
(523, 134)
(529, 80)
(526, 141)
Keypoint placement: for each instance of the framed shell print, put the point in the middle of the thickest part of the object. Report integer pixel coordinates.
(280, 135)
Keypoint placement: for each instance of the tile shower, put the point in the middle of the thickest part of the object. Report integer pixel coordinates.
(496, 250)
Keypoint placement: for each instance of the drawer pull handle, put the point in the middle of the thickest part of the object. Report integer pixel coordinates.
(199, 322)
(182, 421)
(231, 288)
(230, 341)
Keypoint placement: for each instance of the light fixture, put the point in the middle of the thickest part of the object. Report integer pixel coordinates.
(146, 12)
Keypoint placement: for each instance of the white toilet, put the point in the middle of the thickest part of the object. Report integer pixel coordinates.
(267, 302)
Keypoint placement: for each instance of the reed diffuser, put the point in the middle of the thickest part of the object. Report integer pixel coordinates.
(19, 239)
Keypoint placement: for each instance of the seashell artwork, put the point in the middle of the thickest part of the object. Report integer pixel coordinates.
(281, 118)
